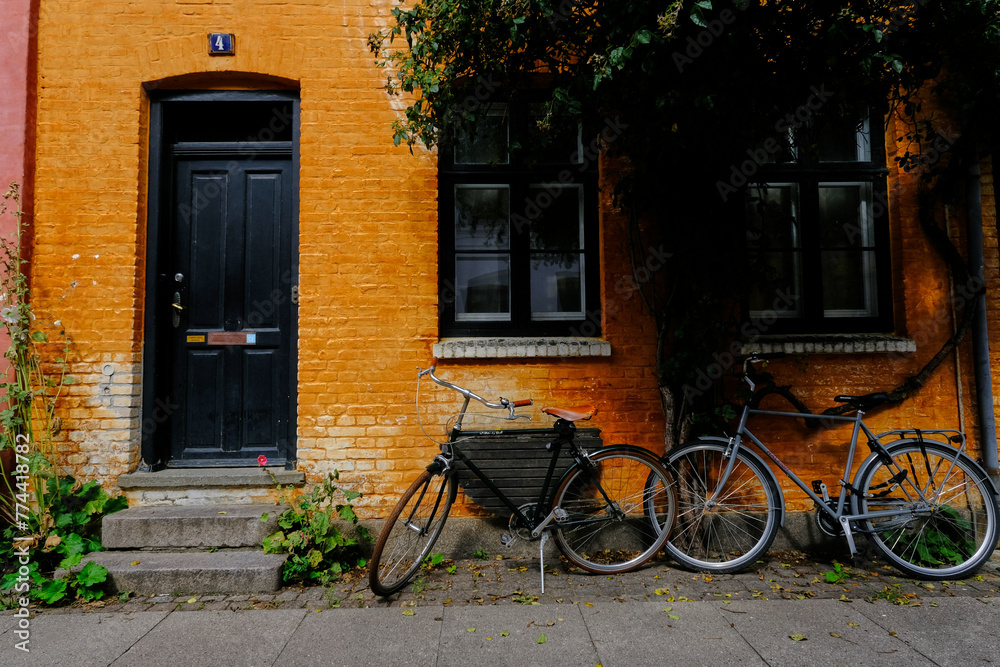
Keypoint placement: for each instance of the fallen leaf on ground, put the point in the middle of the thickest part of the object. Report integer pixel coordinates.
(542, 639)
(406, 612)
(798, 638)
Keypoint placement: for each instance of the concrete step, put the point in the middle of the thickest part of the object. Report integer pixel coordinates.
(191, 572)
(172, 527)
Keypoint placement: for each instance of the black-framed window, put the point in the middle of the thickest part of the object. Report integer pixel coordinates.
(518, 228)
(817, 233)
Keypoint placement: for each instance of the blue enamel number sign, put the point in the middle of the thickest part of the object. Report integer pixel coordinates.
(220, 43)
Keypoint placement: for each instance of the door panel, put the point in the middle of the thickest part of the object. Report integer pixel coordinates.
(231, 279)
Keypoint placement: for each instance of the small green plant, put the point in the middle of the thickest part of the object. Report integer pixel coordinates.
(318, 551)
(837, 574)
(482, 554)
(73, 531)
(432, 560)
(942, 540)
(893, 594)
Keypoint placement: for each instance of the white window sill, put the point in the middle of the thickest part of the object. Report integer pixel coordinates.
(829, 344)
(523, 348)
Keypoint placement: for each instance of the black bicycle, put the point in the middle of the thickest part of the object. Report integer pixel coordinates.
(599, 511)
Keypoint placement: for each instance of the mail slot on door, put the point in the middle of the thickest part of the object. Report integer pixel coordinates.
(265, 338)
(232, 338)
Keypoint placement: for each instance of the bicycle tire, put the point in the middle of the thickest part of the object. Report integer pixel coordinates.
(606, 539)
(410, 531)
(730, 533)
(951, 529)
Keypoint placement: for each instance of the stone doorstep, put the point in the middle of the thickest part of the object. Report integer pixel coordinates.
(203, 478)
(190, 572)
(229, 526)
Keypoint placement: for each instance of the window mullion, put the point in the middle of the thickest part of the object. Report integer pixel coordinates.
(520, 255)
(812, 256)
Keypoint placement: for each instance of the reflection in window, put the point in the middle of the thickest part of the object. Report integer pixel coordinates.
(848, 252)
(556, 235)
(482, 287)
(488, 141)
(774, 242)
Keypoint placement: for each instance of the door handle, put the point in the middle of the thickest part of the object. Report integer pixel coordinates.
(177, 308)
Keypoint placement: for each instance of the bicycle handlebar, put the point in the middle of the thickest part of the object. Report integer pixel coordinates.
(502, 404)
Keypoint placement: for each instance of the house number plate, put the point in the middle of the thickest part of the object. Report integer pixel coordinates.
(221, 43)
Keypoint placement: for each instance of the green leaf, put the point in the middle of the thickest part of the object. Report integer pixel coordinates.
(39, 337)
(53, 591)
(541, 639)
(274, 543)
(71, 545)
(70, 561)
(91, 574)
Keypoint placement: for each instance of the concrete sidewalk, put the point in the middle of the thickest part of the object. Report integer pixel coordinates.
(490, 612)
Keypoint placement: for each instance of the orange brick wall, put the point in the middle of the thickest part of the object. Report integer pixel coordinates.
(367, 251)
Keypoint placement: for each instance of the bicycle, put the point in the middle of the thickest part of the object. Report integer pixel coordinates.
(924, 504)
(600, 512)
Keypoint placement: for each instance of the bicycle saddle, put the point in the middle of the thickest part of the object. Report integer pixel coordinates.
(572, 414)
(865, 402)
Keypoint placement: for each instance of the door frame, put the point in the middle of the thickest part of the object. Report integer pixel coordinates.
(157, 408)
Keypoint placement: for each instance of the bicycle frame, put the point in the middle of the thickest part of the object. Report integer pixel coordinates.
(842, 514)
(564, 435)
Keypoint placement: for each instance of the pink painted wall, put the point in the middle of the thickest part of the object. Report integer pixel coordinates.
(14, 43)
(16, 108)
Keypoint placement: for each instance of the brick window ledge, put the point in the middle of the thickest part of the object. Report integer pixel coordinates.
(829, 344)
(523, 348)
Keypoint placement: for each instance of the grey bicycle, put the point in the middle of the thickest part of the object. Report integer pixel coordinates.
(921, 501)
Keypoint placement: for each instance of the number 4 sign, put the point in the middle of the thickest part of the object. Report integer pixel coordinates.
(221, 43)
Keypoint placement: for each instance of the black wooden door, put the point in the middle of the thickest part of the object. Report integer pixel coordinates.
(230, 297)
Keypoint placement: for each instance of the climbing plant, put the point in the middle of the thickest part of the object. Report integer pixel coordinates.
(692, 89)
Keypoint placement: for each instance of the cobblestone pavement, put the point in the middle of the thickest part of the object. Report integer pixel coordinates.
(498, 580)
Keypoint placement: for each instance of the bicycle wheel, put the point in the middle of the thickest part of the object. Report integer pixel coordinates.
(946, 526)
(606, 528)
(721, 529)
(410, 531)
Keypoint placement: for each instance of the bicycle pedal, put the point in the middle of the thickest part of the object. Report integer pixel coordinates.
(560, 515)
(507, 540)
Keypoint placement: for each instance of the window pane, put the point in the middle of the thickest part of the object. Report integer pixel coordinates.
(849, 283)
(777, 289)
(552, 140)
(773, 215)
(556, 215)
(556, 286)
(482, 215)
(482, 287)
(839, 140)
(487, 142)
(845, 215)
